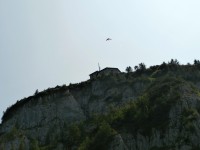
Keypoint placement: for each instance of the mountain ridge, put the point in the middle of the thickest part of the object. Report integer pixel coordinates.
(152, 108)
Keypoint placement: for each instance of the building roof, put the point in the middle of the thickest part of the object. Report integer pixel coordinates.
(107, 68)
(94, 73)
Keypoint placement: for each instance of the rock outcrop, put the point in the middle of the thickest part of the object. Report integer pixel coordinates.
(150, 110)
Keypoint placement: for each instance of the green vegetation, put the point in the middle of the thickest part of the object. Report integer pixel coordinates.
(21, 146)
(100, 140)
(156, 90)
(150, 111)
(188, 72)
(74, 136)
(10, 111)
(36, 92)
(11, 135)
(189, 115)
(97, 138)
(129, 69)
(163, 148)
(34, 145)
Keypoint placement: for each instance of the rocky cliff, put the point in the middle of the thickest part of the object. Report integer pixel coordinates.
(152, 109)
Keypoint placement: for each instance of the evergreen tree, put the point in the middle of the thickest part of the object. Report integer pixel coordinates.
(129, 69)
(36, 92)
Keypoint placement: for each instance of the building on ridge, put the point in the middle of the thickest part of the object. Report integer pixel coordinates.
(104, 72)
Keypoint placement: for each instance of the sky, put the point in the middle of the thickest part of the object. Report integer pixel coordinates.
(45, 43)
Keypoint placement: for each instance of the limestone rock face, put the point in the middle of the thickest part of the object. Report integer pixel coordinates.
(37, 119)
(182, 131)
(148, 114)
(118, 143)
(49, 113)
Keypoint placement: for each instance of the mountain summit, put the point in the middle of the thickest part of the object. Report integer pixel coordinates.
(155, 108)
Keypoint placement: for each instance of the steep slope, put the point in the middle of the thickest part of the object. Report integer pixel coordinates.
(153, 109)
(43, 117)
(165, 117)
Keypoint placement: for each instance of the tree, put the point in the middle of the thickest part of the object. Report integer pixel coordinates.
(163, 66)
(103, 136)
(196, 62)
(142, 66)
(21, 146)
(36, 92)
(34, 145)
(136, 68)
(74, 135)
(129, 69)
(174, 62)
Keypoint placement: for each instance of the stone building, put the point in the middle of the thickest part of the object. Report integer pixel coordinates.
(104, 72)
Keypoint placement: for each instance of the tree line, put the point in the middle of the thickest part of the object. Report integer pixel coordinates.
(141, 67)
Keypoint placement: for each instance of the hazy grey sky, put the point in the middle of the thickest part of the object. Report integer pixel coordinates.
(44, 43)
